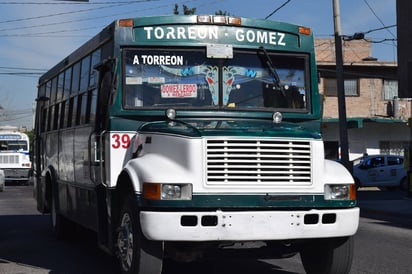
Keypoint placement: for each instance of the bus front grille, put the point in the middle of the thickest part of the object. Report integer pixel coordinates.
(258, 161)
(9, 159)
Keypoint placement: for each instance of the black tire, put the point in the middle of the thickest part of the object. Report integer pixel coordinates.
(61, 226)
(326, 256)
(136, 254)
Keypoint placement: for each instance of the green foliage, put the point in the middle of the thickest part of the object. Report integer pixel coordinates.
(221, 12)
(30, 134)
(186, 10)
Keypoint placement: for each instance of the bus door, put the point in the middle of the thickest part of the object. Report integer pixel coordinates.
(99, 136)
(97, 143)
(38, 151)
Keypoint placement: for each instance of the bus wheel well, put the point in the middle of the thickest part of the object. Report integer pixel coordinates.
(123, 190)
(48, 192)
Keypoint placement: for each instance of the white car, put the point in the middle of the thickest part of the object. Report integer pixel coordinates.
(2, 180)
(380, 171)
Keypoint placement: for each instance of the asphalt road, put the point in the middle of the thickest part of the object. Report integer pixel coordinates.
(382, 245)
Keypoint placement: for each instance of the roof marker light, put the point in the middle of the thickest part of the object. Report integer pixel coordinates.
(203, 19)
(305, 30)
(219, 19)
(126, 23)
(234, 21)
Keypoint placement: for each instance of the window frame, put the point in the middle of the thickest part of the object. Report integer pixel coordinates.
(331, 89)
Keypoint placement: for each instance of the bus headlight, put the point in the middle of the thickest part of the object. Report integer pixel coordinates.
(340, 192)
(157, 191)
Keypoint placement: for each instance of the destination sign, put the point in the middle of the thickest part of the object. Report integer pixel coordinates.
(215, 34)
(10, 137)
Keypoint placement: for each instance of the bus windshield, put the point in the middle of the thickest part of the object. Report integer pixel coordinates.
(159, 78)
(13, 145)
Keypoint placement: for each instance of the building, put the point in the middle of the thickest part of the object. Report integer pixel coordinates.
(376, 117)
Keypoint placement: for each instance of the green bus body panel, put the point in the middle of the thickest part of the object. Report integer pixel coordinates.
(235, 202)
(239, 127)
(233, 128)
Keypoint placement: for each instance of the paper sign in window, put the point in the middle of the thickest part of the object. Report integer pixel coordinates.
(179, 91)
(134, 80)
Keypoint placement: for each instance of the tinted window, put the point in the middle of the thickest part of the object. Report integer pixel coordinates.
(60, 86)
(84, 75)
(96, 56)
(67, 83)
(53, 90)
(75, 78)
(392, 160)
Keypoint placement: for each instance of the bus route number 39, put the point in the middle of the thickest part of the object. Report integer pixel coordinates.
(120, 141)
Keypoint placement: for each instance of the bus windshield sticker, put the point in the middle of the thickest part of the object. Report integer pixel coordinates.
(134, 80)
(211, 76)
(155, 80)
(178, 91)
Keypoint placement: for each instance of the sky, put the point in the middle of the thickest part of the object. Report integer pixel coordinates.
(37, 34)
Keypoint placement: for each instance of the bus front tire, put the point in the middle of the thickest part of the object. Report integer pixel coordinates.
(324, 256)
(136, 254)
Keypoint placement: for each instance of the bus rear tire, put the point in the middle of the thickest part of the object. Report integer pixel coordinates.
(61, 226)
(323, 256)
(136, 254)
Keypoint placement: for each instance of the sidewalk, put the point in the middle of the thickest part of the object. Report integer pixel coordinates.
(390, 203)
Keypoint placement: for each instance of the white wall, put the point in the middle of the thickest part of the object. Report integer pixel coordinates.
(368, 138)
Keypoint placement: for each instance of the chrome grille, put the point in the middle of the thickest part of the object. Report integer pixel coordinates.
(258, 161)
(9, 159)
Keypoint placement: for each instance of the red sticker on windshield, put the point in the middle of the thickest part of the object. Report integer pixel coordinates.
(179, 91)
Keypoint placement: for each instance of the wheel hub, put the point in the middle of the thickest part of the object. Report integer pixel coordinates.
(125, 242)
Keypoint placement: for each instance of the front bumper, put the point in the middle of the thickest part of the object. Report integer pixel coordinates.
(249, 225)
(16, 174)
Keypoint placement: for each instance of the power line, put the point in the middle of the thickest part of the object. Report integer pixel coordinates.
(73, 12)
(384, 27)
(45, 34)
(41, 34)
(20, 68)
(377, 17)
(281, 6)
(64, 3)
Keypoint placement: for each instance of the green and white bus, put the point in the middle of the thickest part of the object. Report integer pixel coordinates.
(175, 137)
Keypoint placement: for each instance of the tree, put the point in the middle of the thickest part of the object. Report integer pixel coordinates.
(221, 12)
(186, 10)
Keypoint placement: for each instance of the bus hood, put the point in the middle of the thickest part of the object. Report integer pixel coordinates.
(253, 128)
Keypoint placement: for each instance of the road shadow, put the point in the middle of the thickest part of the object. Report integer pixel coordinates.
(226, 266)
(388, 207)
(27, 240)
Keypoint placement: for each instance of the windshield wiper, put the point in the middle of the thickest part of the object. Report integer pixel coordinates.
(271, 67)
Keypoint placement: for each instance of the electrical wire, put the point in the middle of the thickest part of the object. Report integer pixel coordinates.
(62, 2)
(377, 17)
(277, 9)
(73, 12)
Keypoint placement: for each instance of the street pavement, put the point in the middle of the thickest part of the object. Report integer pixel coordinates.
(394, 203)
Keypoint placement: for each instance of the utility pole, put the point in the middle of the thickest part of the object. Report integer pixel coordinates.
(343, 130)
